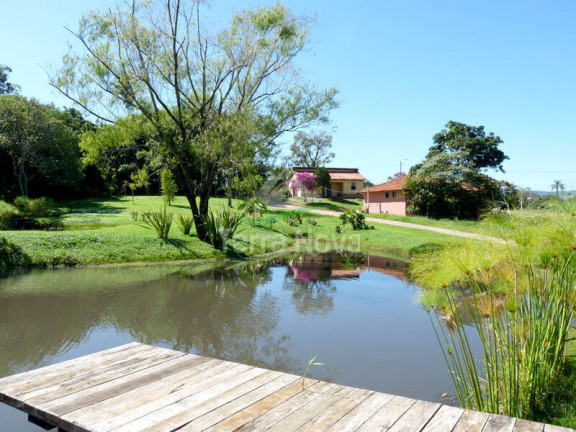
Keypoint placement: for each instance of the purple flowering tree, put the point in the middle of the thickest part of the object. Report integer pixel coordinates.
(305, 181)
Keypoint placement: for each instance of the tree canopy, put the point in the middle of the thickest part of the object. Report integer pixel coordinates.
(480, 150)
(311, 149)
(6, 87)
(208, 94)
(450, 182)
(38, 144)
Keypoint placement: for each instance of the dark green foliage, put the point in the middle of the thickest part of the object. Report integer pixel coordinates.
(160, 222)
(184, 223)
(221, 227)
(355, 219)
(322, 178)
(28, 213)
(168, 186)
(312, 222)
(254, 208)
(482, 150)
(40, 152)
(295, 215)
(6, 87)
(449, 183)
(11, 255)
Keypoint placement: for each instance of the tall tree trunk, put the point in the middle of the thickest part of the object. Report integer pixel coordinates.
(198, 217)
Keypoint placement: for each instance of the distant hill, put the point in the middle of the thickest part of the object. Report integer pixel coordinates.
(560, 193)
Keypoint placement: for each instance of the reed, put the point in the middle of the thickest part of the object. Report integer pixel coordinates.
(502, 314)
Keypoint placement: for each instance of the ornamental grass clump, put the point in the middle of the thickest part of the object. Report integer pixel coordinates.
(221, 227)
(516, 300)
(184, 223)
(160, 222)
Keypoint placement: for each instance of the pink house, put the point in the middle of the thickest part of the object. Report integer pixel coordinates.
(386, 197)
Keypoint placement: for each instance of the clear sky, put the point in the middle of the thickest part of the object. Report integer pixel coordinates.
(403, 68)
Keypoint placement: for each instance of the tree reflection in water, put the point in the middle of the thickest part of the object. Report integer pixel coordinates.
(222, 312)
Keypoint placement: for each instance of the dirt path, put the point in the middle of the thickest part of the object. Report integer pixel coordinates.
(397, 223)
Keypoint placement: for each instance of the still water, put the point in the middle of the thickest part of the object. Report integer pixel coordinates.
(356, 312)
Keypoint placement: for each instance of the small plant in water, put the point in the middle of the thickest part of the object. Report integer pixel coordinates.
(311, 362)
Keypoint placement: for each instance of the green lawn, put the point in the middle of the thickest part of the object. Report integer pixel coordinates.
(335, 204)
(97, 231)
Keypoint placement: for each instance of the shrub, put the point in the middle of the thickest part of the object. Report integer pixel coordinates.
(11, 255)
(355, 219)
(312, 222)
(160, 222)
(184, 223)
(222, 226)
(35, 208)
(254, 208)
(339, 229)
(134, 214)
(293, 218)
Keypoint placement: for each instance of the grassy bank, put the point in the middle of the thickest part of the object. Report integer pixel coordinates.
(99, 231)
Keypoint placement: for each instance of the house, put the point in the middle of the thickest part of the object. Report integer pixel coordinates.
(386, 197)
(344, 183)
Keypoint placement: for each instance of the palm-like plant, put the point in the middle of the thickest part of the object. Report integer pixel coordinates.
(558, 186)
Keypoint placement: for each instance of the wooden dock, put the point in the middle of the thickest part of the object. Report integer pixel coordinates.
(138, 387)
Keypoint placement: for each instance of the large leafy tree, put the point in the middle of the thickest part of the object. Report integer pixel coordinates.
(38, 143)
(450, 182)
(194, 85)
(481, 150)
(311, 149)
(6, 87)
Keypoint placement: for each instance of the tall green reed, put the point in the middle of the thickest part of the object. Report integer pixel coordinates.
(517, 301)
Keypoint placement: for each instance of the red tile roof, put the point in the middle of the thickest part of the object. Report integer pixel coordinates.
(336, 173)
(392, 185)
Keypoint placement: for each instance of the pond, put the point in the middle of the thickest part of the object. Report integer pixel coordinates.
(356, 312)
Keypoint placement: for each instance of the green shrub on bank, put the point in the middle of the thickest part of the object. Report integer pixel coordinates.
(184, 223)
(222, 226)
(160, 222)
(11, 255)
(29, 213)
(355, 219)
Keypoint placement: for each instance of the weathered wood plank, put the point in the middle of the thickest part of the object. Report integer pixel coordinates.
(444, 420)
(553, 428)
(237, 405)
(75, 382)
(170, 386)
(218, 387)
(471, 421)
(109, 389)
(498, 423)
(279, 412)
(416, 417)
(388, 414)
(45, 376)
(358, 416)
(335, 412)
(262, 406)
(191, 386)
(528, 426)
(183, 418)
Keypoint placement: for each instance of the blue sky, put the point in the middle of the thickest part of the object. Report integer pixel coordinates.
(403, 68)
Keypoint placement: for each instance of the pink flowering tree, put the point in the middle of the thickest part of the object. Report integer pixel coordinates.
(305, 181)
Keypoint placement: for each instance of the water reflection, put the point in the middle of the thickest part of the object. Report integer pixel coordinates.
(355, 310)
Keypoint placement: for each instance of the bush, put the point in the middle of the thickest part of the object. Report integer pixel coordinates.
(356, 219)
(160, 222)
(35, 208)
(184, 223)
(293, 218)
(221, 227)
(28, 213)
(254, 208)
(11, 255)
(312, 222)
